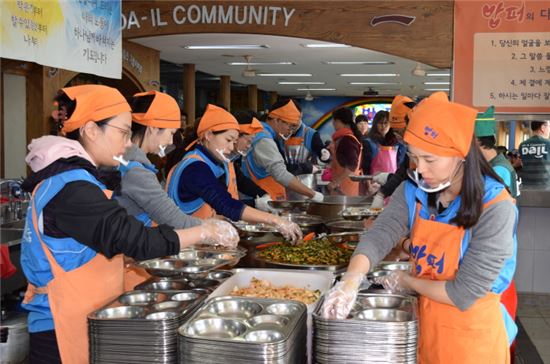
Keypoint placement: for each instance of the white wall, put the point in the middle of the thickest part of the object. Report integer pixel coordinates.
(15, 126)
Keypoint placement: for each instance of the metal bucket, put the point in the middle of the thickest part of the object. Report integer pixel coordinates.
(307, 179)
(331, 208)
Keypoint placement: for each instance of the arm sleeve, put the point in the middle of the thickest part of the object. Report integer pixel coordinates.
(83, 212)
(247, 186)
(267, 156)
(198, 180)
(367, 157)
(387, 229)
(142, 187)
(491, 244)
(348, 153)
(395, 179)
(317, 145)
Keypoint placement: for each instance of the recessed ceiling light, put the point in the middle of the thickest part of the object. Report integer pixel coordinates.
(372, 63)
(436, 89)
(260, 63)
(301, 83)
(374, 83)
(438, 74)
(315, 89)
(369, 75)
(437, 83)
(284, 74)
(325, 45)
(227, 46)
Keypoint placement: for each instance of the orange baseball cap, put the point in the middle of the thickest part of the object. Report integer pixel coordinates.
(216, 119)
(398, 111)
(289, 113)
(254, 127)
(163, 112)
(441, 127)
(93, 103)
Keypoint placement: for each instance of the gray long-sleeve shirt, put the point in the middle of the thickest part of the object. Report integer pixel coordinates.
(141, 192)
(267, 155)
(491, 244)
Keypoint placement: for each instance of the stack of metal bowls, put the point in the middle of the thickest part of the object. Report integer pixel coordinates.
(140, 326)
(381, 328)
(207, 285)
(245, 330)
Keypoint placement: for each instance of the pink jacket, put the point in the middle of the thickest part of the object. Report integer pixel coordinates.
(47, 149)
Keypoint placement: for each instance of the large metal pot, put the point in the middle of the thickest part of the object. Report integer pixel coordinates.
(345, 226)
(332, 206)
(307, 179)
(14, 345)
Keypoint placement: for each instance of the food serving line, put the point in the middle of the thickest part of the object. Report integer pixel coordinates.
(198, 308)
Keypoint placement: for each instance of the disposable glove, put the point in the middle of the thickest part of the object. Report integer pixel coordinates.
(381, 178)
(340, 299)
(290, 230)
(219, 232)
(378, 201)
(262, 203)
(318, 197)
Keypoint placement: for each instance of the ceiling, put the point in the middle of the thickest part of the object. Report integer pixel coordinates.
(305, 61)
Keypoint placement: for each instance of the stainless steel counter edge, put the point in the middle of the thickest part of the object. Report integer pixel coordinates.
(534, 198)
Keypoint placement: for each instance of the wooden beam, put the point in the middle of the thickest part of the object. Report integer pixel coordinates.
(225, 91)
(189, 91)
(253, 98)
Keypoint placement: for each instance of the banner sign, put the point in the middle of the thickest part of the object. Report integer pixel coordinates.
(502, 55)
(77, 35)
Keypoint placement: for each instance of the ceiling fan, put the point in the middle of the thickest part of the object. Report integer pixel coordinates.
(248, 71)
(418, 71)
(309, 96)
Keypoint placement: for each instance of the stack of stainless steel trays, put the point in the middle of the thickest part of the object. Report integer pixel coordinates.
(381, 328)
(245, 330)
(141, 326)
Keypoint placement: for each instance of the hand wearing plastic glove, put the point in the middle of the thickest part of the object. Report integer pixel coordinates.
(315, 169)
(395, 282)
(378, 201)
(373, 188)
(290, 230)
(340, 299)
(318, 197)
(262, 203)
(219, 232)
(381, 178)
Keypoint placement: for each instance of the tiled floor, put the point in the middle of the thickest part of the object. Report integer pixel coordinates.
(534, 315)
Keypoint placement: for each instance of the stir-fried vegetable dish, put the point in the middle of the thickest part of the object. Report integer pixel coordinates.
(314, 252)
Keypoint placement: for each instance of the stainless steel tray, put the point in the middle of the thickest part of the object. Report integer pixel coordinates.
(247, 230)
(358, 213)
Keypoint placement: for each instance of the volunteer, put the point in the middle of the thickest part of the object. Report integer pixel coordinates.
(535, 156)
(74, 234)
(250, 192)
(462, 223)
(203, 184)
(362, 122)
(346, 150)
(155, 119)
(265, 164)
(485, 132)
(388, 182)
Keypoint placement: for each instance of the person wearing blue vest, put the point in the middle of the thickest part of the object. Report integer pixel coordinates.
(203, 184)
(462, 223)
(75, 235)
(265, 164)
(155, 119)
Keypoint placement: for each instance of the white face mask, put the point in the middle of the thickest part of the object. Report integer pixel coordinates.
(245, 152)
(120, 159)
(162, 151)
(285, 138)
(222, 155)
(423, 185)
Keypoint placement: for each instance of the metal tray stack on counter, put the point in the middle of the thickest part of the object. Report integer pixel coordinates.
(140, 326)
(381, 328)
(245, 330)
(204, 285)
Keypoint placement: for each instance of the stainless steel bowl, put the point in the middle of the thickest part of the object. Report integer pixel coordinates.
(140, 298)
(382, 301)
(307, 223)
(235, 308)
(220, 274)
(163, 315)
(216, 328)
(185, 296)
(284, 309)
(267, 320)
(169, 305)
(377, 275)
(254, 230)
(122, 312)
(350, 237)
(384, 314)
(263, 336)
(404, 266)
(163, 285)
(345, 226)
(203, 283)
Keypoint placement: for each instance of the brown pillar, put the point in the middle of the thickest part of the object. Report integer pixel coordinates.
(273, 97)
(225, 92)
(253, 98)
(189, 92)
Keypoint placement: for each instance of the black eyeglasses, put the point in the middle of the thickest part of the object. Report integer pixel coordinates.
(127, 133)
